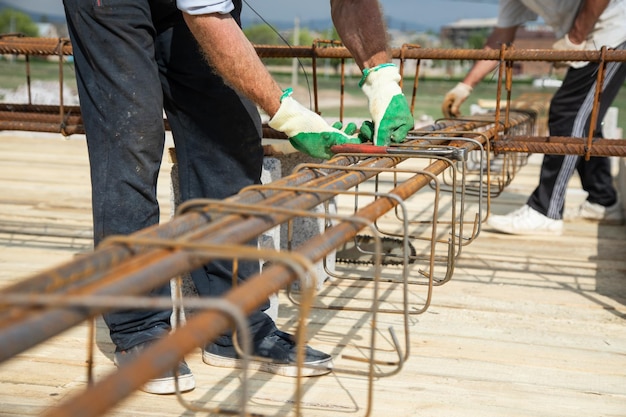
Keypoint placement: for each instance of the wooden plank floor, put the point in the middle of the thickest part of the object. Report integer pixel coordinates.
(528, 326)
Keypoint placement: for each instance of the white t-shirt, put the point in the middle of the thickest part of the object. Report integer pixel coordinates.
(195, 7)
(609, 30)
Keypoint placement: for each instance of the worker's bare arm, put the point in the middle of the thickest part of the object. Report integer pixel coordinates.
(497, 38)
(586, 19)
(362, 30)
(235, 59)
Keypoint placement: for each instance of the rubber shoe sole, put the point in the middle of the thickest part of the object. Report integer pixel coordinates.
(592, 212)
(164, 385)
(526, 221)
(167, 385)
(275, 353)
(322, 367)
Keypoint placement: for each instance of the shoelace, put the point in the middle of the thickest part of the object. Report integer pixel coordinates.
(284, 338)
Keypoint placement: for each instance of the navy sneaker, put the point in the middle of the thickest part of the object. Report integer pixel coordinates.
(164, 384)
(279, 351)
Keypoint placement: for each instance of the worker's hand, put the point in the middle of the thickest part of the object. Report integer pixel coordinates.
(307, 131)
(391, 116)
(453, 100)
(565, 44)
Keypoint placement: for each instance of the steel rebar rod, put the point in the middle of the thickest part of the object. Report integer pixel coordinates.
(557, 145)
(19, 45)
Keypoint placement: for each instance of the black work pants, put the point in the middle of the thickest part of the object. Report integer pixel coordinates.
(134, 59)
(570, 114)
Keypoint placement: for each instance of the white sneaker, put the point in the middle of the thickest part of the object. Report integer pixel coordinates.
(526, 221)
(607, 215)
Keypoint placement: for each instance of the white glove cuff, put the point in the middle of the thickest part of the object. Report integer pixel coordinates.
(293, 118)
(462, 90)
(571, 45)
(565, 43)
(387, 77)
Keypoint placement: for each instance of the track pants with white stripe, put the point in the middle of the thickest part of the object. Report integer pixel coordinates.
(570, 114)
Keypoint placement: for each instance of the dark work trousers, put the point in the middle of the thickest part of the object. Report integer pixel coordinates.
(570, 114)
(134, 59)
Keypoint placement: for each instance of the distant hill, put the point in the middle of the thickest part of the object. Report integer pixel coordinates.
(37, 17)
(249, 19)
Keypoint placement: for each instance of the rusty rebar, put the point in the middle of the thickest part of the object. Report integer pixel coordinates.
(556, 145)
(19, 45)
(204, 327)
(512, 54)
(68, 121)
(135, 270)
(24, 45)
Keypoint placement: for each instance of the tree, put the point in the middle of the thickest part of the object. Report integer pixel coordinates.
(13, 21)
(333, 35)
(305, 37)
(477, 40)
(262, 34)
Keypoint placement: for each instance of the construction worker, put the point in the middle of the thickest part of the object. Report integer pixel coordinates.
(135, 59)
(578, 25)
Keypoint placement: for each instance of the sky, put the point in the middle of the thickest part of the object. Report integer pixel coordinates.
(429, 13)
(423, 12)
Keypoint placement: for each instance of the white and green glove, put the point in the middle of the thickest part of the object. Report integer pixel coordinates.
(453, 100)
(391, 116)
(307, 131)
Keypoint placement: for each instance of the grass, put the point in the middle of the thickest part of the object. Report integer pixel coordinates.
(430, 92)
(14, 72)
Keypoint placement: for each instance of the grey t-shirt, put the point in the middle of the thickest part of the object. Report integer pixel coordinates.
(609, 30)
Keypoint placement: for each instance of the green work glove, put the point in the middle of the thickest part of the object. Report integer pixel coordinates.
(388, 107)
(307, 131)
(350, 128)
